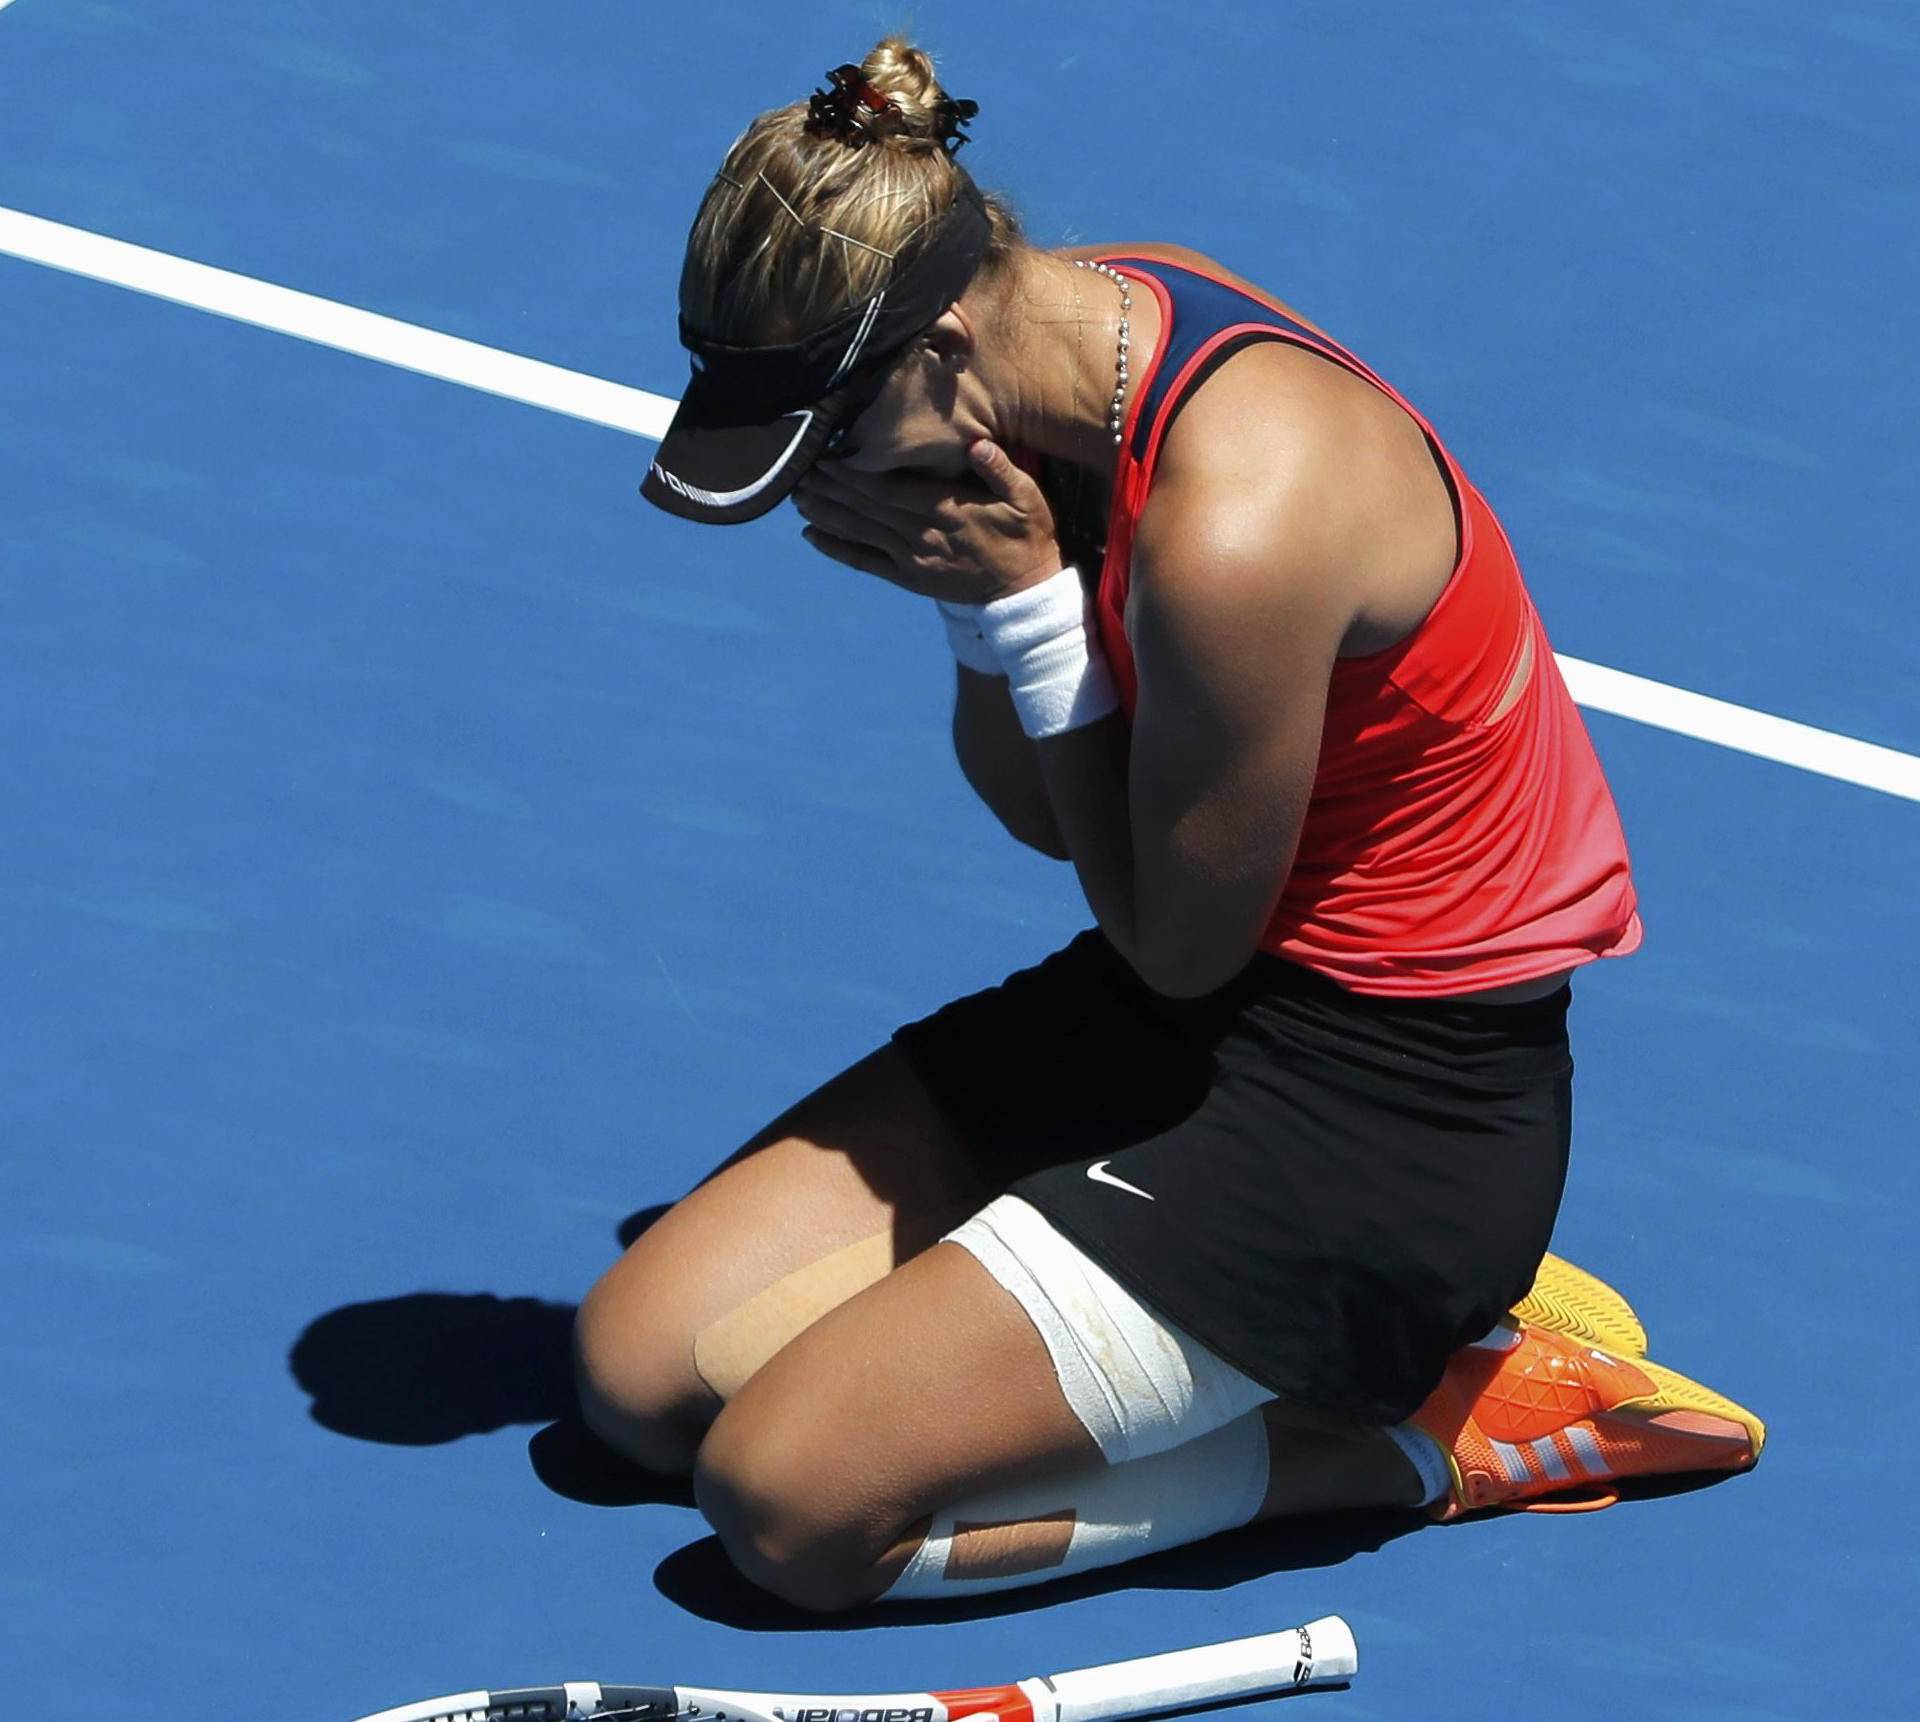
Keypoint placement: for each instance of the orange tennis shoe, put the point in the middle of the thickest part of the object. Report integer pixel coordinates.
(1552, 1415)
(1568, 1300)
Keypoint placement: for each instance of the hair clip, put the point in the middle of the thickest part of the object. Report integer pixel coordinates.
(950, 122)
(853, 110)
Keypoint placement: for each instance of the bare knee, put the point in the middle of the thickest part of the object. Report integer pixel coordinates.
(780, 1527)
(634, 1378)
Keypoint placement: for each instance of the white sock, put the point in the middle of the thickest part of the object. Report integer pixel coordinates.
(1429, 1463)
(1421, 1451)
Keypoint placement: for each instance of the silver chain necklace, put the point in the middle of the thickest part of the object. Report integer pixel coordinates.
(1116, 413)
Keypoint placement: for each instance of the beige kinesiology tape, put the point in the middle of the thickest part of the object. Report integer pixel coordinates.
(727, 1353)
(996, 1549)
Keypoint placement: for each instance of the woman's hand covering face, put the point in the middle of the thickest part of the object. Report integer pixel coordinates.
(967, 540)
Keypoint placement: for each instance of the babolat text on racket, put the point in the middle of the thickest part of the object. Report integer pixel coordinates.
(1321, 1653)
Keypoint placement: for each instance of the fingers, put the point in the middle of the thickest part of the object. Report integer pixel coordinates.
(843, 519)
(851, 555)
(1002, 477)
(964, 537)
(906, 506)
(908, 493)
(866, 560)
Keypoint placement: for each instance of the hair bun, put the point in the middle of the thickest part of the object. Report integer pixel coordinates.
(894, 95)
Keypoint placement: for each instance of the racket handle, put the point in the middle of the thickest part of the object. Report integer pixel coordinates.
(1321, 1653)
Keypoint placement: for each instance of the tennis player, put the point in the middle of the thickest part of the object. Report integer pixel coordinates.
(1218, 1213)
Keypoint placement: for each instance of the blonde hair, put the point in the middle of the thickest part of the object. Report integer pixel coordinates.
(797, 227)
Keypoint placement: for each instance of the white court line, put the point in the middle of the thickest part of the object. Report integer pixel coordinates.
(622, 408)
(372, 336)
(1742, 728)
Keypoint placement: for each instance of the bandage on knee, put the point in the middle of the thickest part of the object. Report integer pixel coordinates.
(1058, 1525)
(1136, 1382)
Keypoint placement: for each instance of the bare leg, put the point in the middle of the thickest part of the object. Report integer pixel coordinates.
(825, 1474)
(927, 1387)
(1324, 1465)
(858, 1177)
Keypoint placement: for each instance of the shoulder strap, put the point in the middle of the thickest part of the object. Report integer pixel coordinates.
(1203, 311)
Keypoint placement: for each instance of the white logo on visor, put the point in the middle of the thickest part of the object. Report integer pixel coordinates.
(727, 498)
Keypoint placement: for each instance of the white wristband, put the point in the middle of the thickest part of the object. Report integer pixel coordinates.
(970, 647)
(1056, 671)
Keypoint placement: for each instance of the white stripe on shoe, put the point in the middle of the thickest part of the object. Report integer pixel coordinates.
(1550, 1460)
(1586, 1449)
(1512, 1461)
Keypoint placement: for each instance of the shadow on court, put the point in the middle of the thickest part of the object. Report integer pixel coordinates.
(637, 1222)
(700, 1579)
(431, 1367)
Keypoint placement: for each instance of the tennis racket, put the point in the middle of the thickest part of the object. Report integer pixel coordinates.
(1321, 1653)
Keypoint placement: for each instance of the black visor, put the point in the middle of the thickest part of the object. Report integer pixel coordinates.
(755, 418)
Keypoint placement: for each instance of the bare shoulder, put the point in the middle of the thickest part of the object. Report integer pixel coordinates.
(1285, 448)
(1286, 460)
(1275, 430)
(1259, 471)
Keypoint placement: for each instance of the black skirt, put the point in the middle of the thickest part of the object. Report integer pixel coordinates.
(1332, 1192)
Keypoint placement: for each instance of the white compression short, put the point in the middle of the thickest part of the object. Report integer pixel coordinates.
(1137, 1382)
(1182, 1438)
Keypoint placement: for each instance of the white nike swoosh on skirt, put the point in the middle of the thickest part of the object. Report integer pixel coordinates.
(1100, 1175)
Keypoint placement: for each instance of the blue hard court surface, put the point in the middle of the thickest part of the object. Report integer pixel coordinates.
(420, 855)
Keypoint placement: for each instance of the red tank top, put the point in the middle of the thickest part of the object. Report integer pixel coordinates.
(1443, 850)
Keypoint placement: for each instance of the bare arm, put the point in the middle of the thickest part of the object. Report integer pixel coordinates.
(1246, 572)
(1183, 833)
(998, 762)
